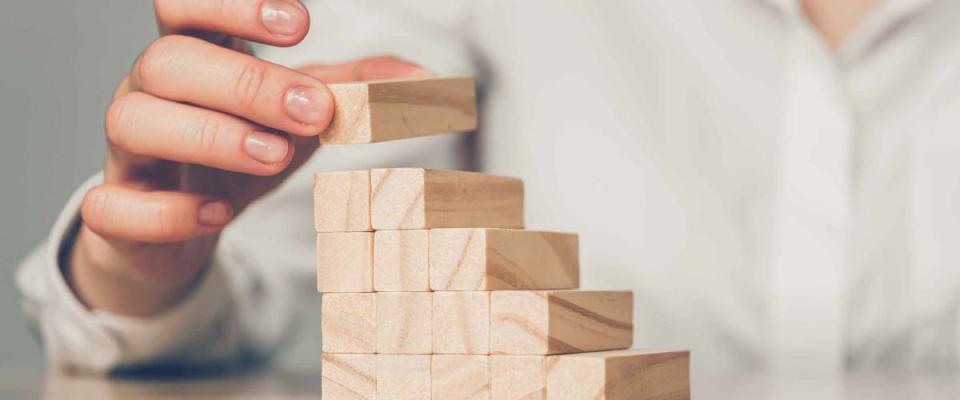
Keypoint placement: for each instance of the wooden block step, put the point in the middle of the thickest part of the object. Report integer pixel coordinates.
(417, 198)
(460, 377)
(517, 377)
(403, 377)
(400, 261)
(619, 375)
(345, 262)
(348, 376)
(461, 322)
(404, 322)
(348, 323)
(560, 321)
(498, 259)
(377, 111)
(341, 201)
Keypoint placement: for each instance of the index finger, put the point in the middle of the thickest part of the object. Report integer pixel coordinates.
(274, 22)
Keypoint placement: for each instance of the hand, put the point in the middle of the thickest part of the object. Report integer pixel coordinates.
(198, 130)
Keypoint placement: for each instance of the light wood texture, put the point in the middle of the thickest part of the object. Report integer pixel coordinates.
(348, 376)
(619, 375)
(498, 259)
(403, 377)
(517, 378)
(404, 323)
(400, 261)
(377, 111)
(560, 321)
(461, 322)
(345, 262)
(348, 323)
(460, 377)
(341, 201)
(417, 198)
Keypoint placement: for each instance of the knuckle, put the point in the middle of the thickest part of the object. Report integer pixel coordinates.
(96, 207)
(164, 221)
(115, 120)
(205, 135)
(157, 59)
(248, 83)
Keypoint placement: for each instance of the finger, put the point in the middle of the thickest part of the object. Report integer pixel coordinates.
(368, 69)
(148, 126)
(275, 22)
(186, 69)
(122, 213)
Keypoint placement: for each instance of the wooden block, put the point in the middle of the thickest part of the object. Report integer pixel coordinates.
(417, 198)
(348, 323)
(460, 377)
(348, 376)
(400, 262)
(517, 378)
(497, 259)
(341, 201)
(345, 262)
(619, 375)
(404, 323)
(403, 377)
(560, 321)
(377, 111)
(461, 322)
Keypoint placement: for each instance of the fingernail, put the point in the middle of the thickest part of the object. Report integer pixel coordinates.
(214, 213)
(265, 147)
(307, 105)
(281, 17)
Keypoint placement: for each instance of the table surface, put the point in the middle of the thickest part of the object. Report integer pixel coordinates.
(33, 383)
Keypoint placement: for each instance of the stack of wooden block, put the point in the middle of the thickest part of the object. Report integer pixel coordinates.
(433, 289)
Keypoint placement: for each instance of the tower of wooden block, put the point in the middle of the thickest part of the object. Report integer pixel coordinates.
(432, 289)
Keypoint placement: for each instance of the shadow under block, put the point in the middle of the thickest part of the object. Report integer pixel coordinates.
(341, 201)
(404, 322)
(345, 262)
(560, 321)
(403, 376)
(619, 375)
(348, 323)
(499, 259)
(348, 376)
(400, 261)
(377, 111)
(417, 198)
(460, 377)
(517, 378)
(461, 322)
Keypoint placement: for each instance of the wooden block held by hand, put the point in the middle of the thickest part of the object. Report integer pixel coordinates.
(341, 201)
(518, 377)
(404, 323)
(461, 322)
(460, 377)
(345, 262)
(619, 375)
(377, 111)
(348, 376)
(403, 377)
(400, 261)
(348, 323)
(560, 321)
(498, 259)
(417, 198)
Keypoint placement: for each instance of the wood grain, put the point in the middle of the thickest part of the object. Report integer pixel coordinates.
(348, 323)
(341, 201)
(404, 323)
(499, 259)
(461, 322)
(417, 198)
(619, 375)
(348, 376)
(460, 377)
(403, 377)
(400, 261)
(517, 377)
(560, 321)
(345, 262)
(377, 111)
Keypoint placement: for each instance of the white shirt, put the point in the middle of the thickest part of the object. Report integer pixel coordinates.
(772, 203)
